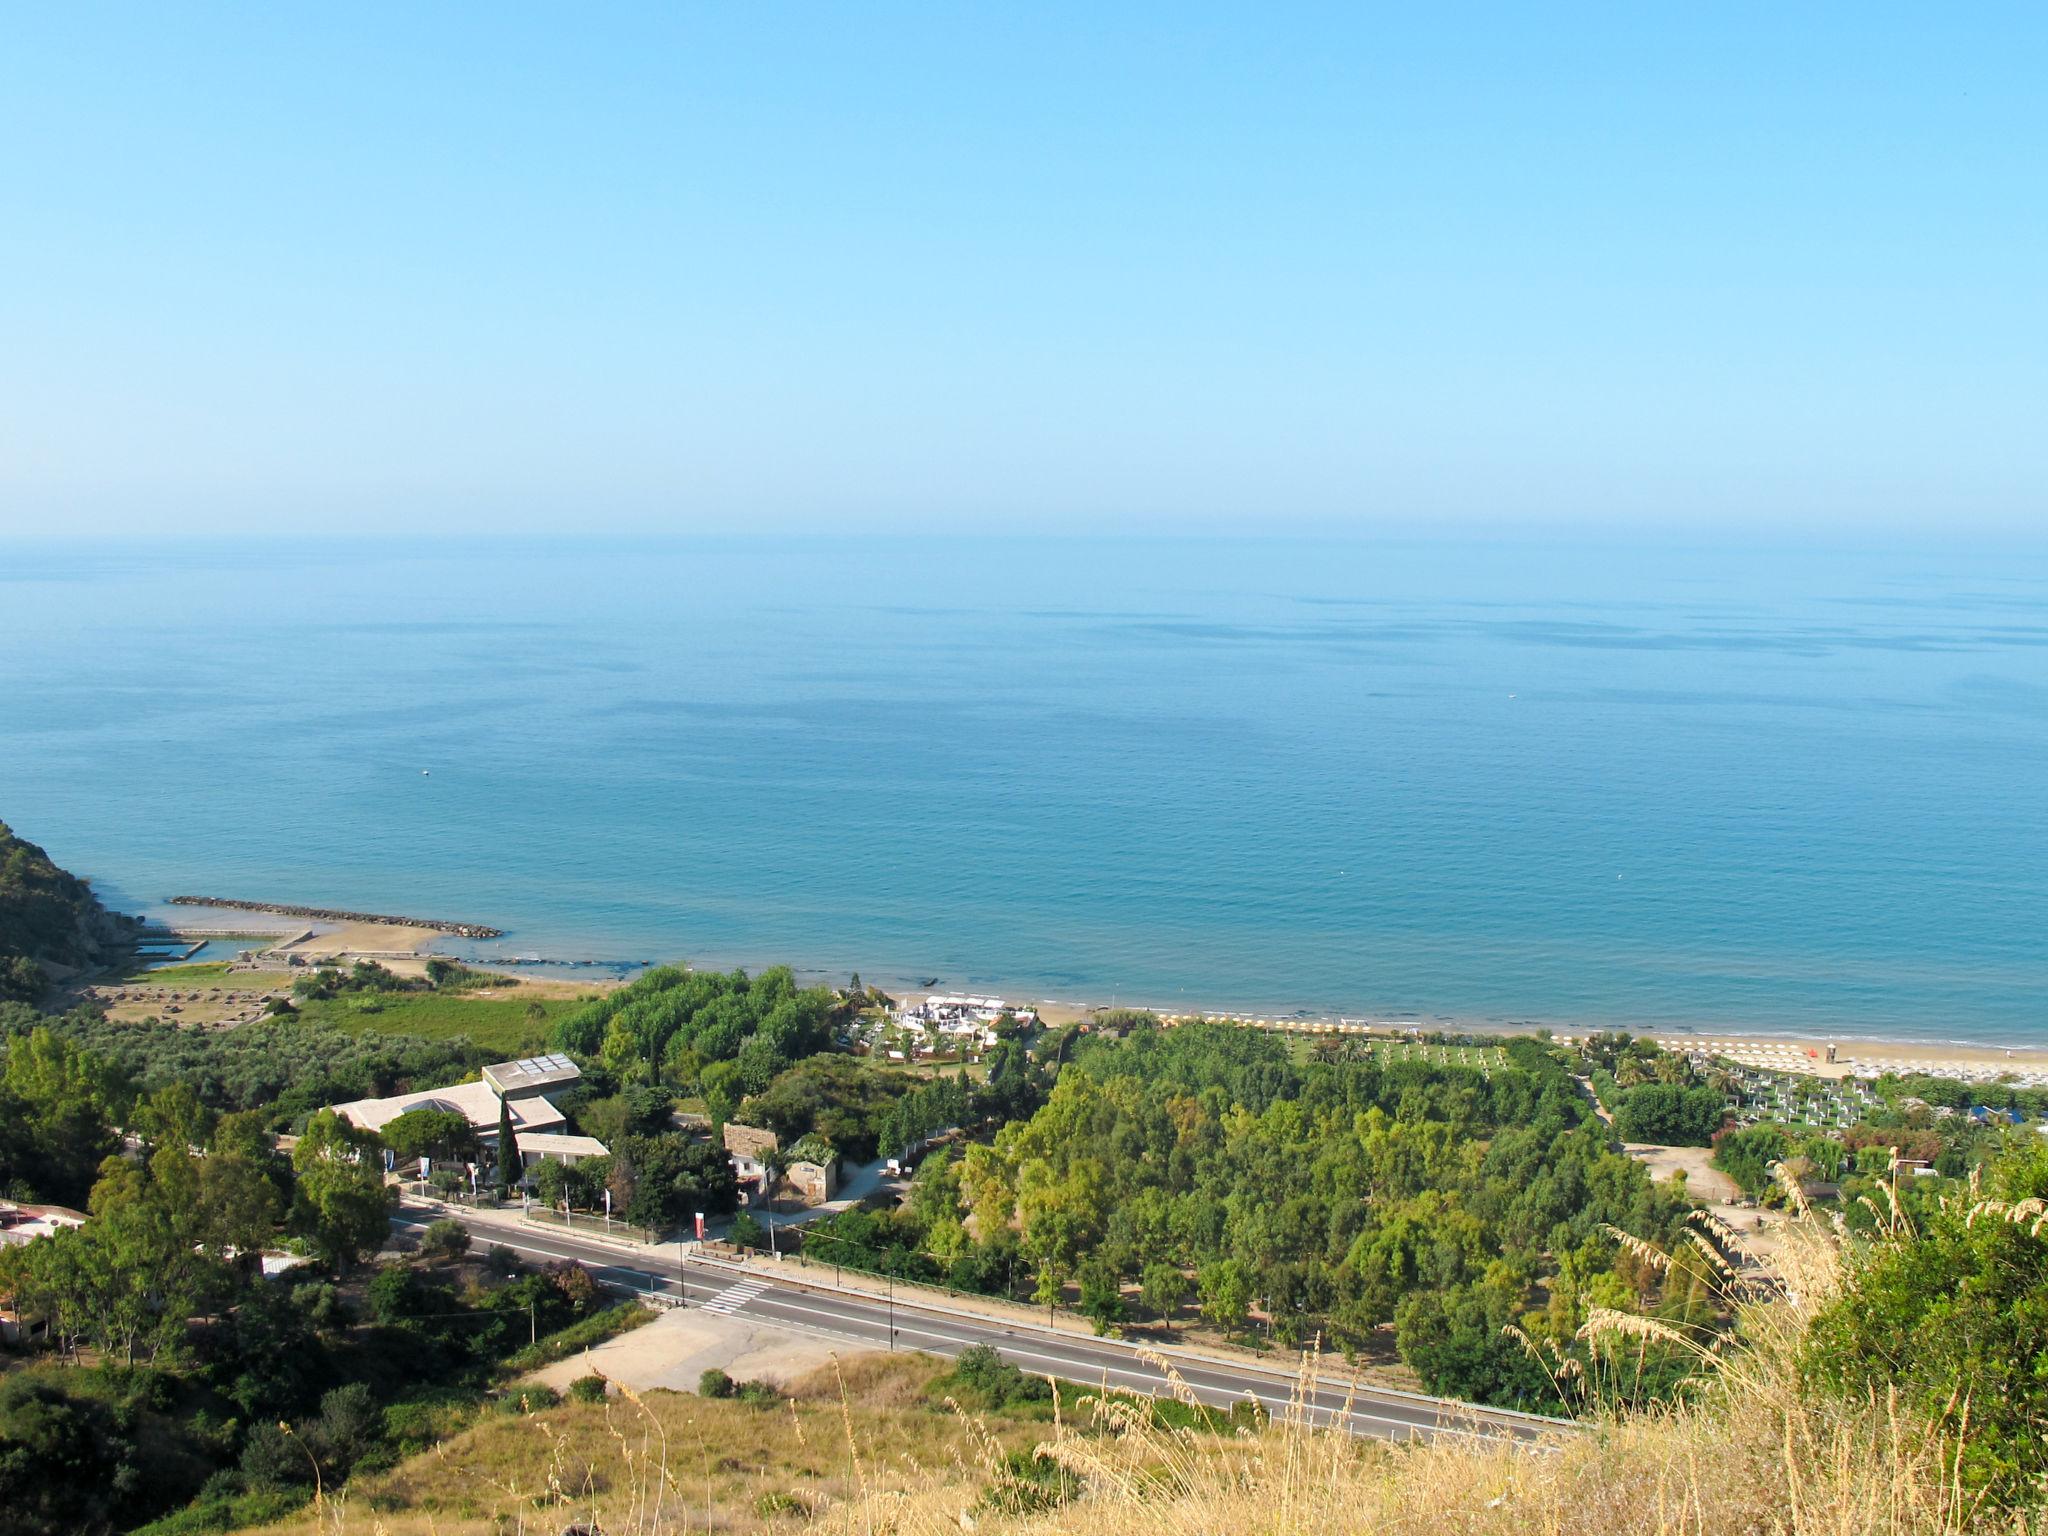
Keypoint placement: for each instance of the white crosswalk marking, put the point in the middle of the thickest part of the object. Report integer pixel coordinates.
(733, 1297)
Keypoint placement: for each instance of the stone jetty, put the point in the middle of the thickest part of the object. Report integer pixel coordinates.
(332, 915)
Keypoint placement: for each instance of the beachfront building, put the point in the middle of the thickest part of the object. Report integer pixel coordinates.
(960, 1021)
(952, 1013)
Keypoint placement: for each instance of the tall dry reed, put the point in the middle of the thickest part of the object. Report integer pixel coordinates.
(1749, 1453)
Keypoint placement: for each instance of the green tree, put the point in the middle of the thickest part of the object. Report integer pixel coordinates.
(61, 1102)
(128, 1281)
(1102, 1297)
(444, 1239)
(509, 1163)
(1668, 1114)
(1954, 1318)
(1226, 1291)
(173, 1116)
(343, 1207)
(1164, 1289)
(61, 1459)
(238, 1202)
(1455, 1342)
(659, 1181)
(443, 1134)
(551, 1181)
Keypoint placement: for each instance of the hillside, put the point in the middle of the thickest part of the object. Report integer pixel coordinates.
(1760, 1448)
(49, 918)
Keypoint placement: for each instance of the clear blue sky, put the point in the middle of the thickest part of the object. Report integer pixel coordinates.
(705, 267)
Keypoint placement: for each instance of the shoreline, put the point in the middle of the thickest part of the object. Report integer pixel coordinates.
(1788, 1048)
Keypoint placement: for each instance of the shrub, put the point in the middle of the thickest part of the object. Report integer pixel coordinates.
(274, 1458)
(445, 1239)
(1026, 1483)
(349, 1425)
(984, 1379)
(594, 1329)
(715, 1383)
(531, 1398)
(1668, 1115)
(1954, 1320)
(587, 1389)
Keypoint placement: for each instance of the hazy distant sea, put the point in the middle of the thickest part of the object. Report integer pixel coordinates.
(1797, 789)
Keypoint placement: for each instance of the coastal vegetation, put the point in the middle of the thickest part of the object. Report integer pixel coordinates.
(284, 1067)
(1423, 1207)
(48, 917)
(499, 1027)
(1773, 1438)
(1459, 1211)
(719, 1036)
(173, 1371)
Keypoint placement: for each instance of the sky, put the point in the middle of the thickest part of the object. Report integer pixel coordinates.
(525, 269)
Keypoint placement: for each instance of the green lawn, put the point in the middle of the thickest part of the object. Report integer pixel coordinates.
(494, 1022)
(1387, 1052)
(206, 973)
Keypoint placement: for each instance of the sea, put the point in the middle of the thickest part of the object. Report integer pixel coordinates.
(1575, 782)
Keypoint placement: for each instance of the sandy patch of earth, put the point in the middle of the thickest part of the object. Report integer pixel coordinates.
(1702, 1178)
(683, 1343)
(362, 938)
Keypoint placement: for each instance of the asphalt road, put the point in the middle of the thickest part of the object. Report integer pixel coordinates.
(875, 1323)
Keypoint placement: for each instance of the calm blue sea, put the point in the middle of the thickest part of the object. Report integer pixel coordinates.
(1793, 789)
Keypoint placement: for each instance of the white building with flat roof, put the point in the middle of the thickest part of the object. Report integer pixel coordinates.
(524, 1086)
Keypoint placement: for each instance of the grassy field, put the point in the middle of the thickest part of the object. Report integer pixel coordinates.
(204, 973)
(493, 1021)
(1387, 1052)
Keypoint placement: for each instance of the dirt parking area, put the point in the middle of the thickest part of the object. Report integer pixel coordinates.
(682, 1344)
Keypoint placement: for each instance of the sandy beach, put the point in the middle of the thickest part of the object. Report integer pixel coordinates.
(1869, 1058)
(405, 948)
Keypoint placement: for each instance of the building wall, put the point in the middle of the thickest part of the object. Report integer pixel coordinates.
(814, 1183)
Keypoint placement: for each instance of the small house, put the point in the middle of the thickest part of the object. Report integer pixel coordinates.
(750, 1147)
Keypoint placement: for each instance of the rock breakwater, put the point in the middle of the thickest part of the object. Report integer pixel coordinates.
(334, 915)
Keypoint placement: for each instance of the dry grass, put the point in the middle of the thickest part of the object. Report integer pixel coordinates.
(673, 1462)
(1746, 1455)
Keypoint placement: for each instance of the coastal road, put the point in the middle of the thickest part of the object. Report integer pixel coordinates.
(874, 1322)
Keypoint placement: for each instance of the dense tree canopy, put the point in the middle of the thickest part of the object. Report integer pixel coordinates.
(284, 1067)
(722, 1035)
(1953, 1315)
(1335, 1197)
(344, 1206)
